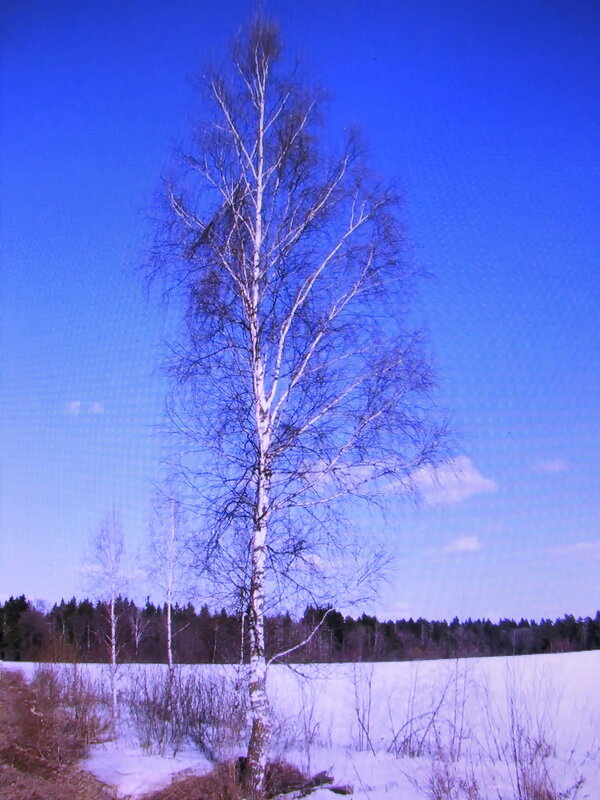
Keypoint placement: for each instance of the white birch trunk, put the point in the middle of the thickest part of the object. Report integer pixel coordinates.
(108, 551)
(170, 584)
(242, 632)
(169, 637)
(113, 660)
(258, 747)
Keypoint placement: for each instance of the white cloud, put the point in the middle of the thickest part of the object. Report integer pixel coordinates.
(589, 549)
(465, 544)
(75, 407)
(550, 466)
(452, 482)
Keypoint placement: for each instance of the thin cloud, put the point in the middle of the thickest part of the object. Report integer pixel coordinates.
(461, 545)
(550, 466)
(452, 482)
(586, 549)
(73, 408)
(465, 544)
(96, 408)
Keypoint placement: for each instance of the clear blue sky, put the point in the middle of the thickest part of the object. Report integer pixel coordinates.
(487, 115)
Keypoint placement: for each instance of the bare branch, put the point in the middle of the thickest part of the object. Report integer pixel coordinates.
(303, 643)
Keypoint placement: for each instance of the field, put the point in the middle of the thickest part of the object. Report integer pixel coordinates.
(524, 728)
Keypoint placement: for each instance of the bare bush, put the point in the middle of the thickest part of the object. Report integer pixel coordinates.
(40, 743)
(445, 783)
(514, 757)
(151, 710)
(300, 730)
(437, 728)
(363, 699)
(79, 697)
(170, 708)
(36, 734)
(520, 735)
(311, 732)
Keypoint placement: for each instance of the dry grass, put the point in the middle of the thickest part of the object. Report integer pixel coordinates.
(39, 749)
(282, 777)
(33, 738)
(62, 783)
(223, 783)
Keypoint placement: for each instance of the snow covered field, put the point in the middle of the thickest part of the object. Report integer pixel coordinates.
(494, 728)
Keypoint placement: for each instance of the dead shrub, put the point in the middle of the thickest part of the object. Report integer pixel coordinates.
(152, 711)
(282, 777)
(33, 735)
(171, 708)
(521, 735)
(224, 783)
(39, 746)
(444, 783)
(536, 784)
(83, 715)
(221, 783)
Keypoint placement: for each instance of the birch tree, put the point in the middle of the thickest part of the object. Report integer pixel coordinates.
(108, 575)
(169, 569)
(298, 386)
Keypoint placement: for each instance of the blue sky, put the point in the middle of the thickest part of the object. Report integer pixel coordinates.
(487, 117)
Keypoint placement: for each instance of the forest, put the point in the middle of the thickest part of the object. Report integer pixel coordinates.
(78, 630)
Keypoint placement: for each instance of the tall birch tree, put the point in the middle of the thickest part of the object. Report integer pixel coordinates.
(169, 568)
(298, 386)
(107, 573)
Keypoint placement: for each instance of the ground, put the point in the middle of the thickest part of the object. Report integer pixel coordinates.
(476, 729)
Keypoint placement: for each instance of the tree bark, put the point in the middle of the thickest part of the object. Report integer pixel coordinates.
(260, 737)
(113, 659)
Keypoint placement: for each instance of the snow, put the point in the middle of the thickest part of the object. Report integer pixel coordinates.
(374, 726)
(132, 771)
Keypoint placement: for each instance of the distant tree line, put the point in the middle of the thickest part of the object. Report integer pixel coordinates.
(76, 630)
